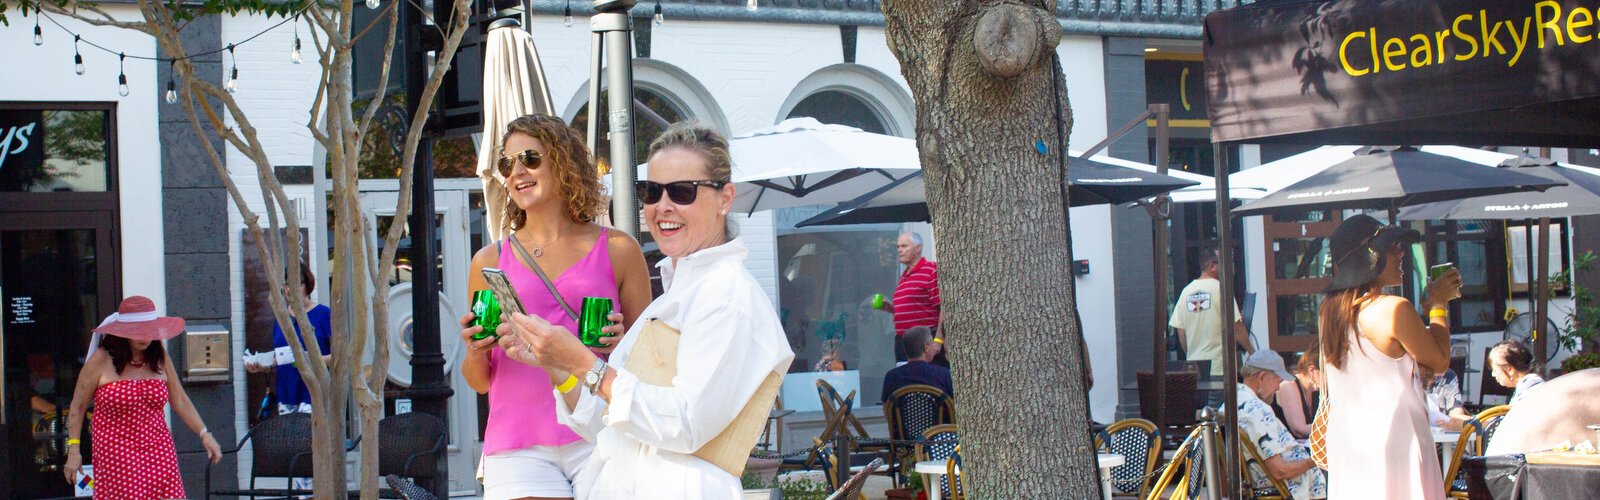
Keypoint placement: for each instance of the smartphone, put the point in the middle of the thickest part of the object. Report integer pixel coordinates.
(1436, 271)
(503, 292)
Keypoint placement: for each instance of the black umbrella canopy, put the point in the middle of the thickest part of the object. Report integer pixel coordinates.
(1387, 178)
(1580, 196)
(1090, 183)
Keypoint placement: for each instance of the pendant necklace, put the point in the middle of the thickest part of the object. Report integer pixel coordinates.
(538, 251)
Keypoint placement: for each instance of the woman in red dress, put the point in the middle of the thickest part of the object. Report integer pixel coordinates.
(130, 380)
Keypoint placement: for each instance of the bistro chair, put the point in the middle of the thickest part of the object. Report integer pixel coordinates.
(1475, 433)
(1187, 461)
(410, 445)
(830, 430)
(833, 405)
(911, 410)
(1249, 457)
(1180, 403)
(280, 447)
(1139, 442)
(407, 490)
(940, 443)
(851, 489)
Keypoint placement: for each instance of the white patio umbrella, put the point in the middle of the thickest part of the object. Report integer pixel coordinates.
(801, 161)
(513, 86)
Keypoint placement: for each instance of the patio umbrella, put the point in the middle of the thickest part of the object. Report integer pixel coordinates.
(801, 161)
(513, 86)
(1091, 183)
(1387, 178)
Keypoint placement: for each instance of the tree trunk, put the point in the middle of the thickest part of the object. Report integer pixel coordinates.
(327, 437)
(992, 121)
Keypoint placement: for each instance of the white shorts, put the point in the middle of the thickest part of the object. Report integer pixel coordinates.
(535, 471)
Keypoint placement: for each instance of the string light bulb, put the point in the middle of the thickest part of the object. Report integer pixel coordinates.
(77, 57)
(750, 5)
(294, 55)
(122, 75)
(38, 34)
(567, 14)
(172, 89)
(659, 18)
(233, 73)
(372, 4)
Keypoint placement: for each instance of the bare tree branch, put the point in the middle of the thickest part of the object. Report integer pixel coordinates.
(105, 19)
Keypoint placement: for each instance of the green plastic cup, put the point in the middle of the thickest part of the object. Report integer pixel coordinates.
(486, 313)
(592, 318)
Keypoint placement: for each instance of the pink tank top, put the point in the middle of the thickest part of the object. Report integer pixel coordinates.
(522, 409)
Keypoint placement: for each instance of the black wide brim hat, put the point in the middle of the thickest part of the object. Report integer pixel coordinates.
(1360, 247)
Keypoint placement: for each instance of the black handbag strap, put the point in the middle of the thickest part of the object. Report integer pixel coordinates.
(528, 259)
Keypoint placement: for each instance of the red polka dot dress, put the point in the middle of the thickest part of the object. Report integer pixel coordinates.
(134, 458)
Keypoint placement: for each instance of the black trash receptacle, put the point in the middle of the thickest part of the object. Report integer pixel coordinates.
(1493, 477)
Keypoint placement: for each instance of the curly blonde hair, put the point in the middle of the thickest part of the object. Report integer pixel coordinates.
(571, 164)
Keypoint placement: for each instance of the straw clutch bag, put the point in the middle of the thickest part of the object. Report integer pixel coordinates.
(654, 360)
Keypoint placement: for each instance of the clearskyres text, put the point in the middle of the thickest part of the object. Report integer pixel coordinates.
(1470, 35)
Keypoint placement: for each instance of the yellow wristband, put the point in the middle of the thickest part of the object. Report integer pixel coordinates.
(1438, 313)
(939, 340)
(73, 442)
(566, 387)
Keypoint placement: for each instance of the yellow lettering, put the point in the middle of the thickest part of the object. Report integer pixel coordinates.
(1463, 36)
(1438, 39)
(1538, 13)
(1393, 47)
(1521, 42)
(1491, 37)
(1344, 56)
(1424, 49)
(1573, 24)
(1372, 36)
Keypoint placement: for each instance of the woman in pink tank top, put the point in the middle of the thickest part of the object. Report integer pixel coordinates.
(552, 201)
(1377, 355)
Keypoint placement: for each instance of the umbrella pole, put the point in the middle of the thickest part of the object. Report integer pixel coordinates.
(616, 27)
(1230, 349)
(1542, 337)
(1159, 214)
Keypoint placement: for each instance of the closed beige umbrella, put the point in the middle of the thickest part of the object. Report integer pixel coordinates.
(513, 86)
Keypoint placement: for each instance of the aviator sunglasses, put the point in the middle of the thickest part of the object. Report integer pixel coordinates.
(681, 192)
(527, 157)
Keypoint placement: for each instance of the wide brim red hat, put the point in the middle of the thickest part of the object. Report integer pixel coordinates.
(136, 319)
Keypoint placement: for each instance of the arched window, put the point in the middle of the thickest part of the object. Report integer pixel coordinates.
(645, 128)
(842, 108)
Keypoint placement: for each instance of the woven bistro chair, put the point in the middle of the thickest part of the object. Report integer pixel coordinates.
(1249, 457)
(911, 410)
(1186, 461)
(1474, 434)
(940, 443)
(280, 447)
(1139, 442)
(411, 445)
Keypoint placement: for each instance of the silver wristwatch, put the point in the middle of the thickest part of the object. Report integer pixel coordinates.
(592, 378)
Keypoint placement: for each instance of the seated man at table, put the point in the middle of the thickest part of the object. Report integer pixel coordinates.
(1286, 459)
(920, 349)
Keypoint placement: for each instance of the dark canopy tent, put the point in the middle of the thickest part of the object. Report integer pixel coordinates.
(1502, 72)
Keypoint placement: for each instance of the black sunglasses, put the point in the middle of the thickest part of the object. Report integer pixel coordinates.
(681, 192)
(528, 158)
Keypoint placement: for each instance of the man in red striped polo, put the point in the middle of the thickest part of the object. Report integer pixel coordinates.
(916, 298)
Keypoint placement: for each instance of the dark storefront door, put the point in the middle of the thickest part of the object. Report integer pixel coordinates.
(56, 282)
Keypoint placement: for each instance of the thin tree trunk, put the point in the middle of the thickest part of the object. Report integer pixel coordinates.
(989, 97)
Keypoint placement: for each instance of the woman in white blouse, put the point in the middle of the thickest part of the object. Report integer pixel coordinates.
(732, 345)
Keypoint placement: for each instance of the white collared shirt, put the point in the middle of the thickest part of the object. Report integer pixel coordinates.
(731, 340)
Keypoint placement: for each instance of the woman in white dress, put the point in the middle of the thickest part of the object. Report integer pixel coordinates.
(650, 437)
(1376, 351)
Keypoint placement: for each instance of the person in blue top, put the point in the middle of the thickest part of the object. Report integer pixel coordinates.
(293, 397)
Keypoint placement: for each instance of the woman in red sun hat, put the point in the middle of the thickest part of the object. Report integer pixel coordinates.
(130, 380)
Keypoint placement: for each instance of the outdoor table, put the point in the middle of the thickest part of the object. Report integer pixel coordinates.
(932, 469)
(1447, 444)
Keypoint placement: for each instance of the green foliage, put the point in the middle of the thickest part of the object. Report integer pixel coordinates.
(797, 488)
(1582, 361)
(1583, 324)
